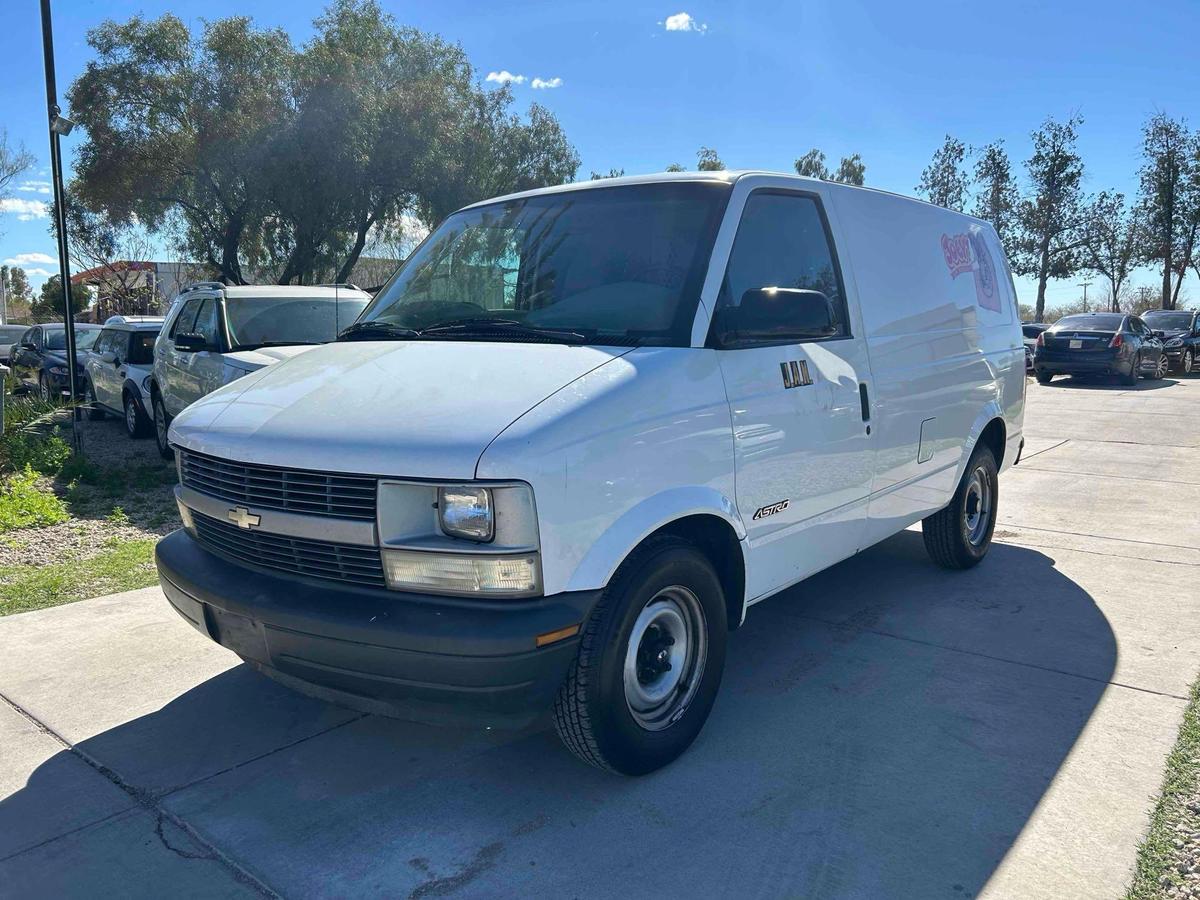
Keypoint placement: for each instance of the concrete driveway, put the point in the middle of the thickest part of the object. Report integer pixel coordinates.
(886, 729)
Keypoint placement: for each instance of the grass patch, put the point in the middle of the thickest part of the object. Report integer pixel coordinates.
(1156, 870)
(120, 566)
(23, 503)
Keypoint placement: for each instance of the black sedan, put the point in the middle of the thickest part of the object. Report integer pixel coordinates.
(1099, 344)
(40, 358)
(1179, 330)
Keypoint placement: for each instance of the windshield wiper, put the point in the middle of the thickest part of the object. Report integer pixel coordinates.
(369, 331)
(278, 344)
(491, 326)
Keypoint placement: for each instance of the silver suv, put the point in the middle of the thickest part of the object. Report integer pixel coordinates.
(216, 333)
(117, 371)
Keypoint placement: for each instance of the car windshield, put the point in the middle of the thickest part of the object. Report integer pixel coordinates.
(280, 321)
(1168, 321)
(1089, 323)
(84, 338)
(614, 265)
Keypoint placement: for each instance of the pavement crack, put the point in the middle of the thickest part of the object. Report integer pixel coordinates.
(178, 851)
(150, 803)
(484, 859)
(1045, 449)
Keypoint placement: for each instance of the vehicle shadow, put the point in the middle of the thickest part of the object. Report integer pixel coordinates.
(885, 729)
(1098, 382)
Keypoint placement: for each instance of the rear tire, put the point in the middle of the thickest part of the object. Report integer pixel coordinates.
(94, 413)
(136, 424)
(162, 423)
(619, 709)
(1044, 377)
(959, 536)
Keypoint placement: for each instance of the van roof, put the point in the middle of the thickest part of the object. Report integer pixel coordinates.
(290, 290)
(724, 176)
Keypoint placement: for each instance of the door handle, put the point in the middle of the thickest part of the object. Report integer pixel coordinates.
(864, 402)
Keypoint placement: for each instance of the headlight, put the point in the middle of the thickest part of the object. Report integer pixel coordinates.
(1175, 342)
(455, 573)
(60, 371)
(466, 512)
(146, 384)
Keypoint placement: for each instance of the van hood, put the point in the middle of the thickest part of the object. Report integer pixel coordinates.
(409, 409)
(250, 360)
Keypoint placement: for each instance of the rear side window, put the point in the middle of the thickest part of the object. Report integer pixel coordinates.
(141, 347)
(206, 324)
(186, 319)
(782, 242)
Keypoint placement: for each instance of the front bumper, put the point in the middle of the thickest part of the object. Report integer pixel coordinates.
(413, 656)
(59, 385)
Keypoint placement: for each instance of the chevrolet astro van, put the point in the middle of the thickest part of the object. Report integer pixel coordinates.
(581, 431)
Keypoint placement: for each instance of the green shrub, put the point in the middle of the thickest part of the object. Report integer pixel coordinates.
(23, 503)
(44, 453)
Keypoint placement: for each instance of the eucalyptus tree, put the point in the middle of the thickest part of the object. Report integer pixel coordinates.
(996, 194)
(1112, 239)
(944, 182)
(1170, 198)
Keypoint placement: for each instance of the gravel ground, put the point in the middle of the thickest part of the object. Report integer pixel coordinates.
(1187, 856)
(128, 474)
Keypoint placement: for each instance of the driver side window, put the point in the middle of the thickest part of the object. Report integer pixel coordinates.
(782, 242)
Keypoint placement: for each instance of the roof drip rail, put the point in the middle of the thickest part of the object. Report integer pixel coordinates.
(202, 286)
(341, 284)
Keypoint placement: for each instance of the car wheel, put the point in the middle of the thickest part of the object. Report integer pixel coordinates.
(136, 425)
(1160, 367)
(162, 423)
(959, 536)
(1135, 369)
(650, 661)
(94, 412)
(1187, 362)
(1044, 377)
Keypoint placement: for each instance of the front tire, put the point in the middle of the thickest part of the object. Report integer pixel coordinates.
(1160, 367)
(1187, 362)
(650, 661)
(94, 412)
(162, 424)
(959, 536)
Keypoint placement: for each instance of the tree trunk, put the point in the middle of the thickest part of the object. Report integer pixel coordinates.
(360, 241)
(231, 267)
(1043, 275)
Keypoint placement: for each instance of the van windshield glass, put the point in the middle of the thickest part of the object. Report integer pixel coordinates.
(615, 265)
(281, 321)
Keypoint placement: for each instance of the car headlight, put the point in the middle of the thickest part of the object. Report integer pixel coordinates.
(1175, 342)
(466, 512)
(60, 371)
(146, 384)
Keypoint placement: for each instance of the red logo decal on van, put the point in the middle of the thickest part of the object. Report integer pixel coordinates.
(968, 252)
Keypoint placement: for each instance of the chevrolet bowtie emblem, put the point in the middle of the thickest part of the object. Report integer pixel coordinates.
(243, 518)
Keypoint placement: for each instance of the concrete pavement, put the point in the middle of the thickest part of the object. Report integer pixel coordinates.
(884, 729)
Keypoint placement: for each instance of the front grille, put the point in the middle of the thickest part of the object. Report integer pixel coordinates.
(313, 493)
(316, 559)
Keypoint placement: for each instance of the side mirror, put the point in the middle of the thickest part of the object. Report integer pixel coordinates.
(189, 342)
(27, 345)
(776, 315)
(108, 356)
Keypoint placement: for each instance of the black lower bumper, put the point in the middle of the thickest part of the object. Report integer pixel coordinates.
(1106, 365)
(414, 656)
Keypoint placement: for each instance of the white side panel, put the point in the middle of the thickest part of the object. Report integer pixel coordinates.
(944, 342)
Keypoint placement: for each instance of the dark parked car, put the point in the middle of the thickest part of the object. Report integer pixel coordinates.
(40, 360)
(9, 336)
(1180, 333)
(1099, 344)
(1029, 335)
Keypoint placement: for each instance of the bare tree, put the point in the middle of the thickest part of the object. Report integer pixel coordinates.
(1170, 198)
(13, 161)
(944, 181)
(1049, 218)
(1112, 239)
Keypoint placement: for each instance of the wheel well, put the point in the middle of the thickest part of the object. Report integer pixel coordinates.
(717, 540)
(993, 437)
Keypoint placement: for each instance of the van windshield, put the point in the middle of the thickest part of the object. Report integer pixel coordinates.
(614, 265)
(283, 321)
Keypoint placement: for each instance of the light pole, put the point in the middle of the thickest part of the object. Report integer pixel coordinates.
(60, 125)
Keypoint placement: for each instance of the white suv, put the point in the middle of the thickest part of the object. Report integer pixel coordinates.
(117, 371)
(215, 334)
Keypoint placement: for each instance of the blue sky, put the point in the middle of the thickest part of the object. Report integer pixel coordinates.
(759, 82)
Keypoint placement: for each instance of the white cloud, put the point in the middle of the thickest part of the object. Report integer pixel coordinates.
(681, 21)
(28, 259)
(24, 209)
(504, 77)
(34, 187)
(39, 273)
(543, 83)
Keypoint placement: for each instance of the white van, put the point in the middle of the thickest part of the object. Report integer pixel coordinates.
(582, 430)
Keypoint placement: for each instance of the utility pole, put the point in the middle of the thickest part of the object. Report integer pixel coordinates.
(1084, 285)
(3, 295)
(60, 125)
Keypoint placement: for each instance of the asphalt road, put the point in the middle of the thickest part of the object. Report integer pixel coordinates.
(886, 729)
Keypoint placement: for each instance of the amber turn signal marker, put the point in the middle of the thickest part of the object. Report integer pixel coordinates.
(551, 637)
